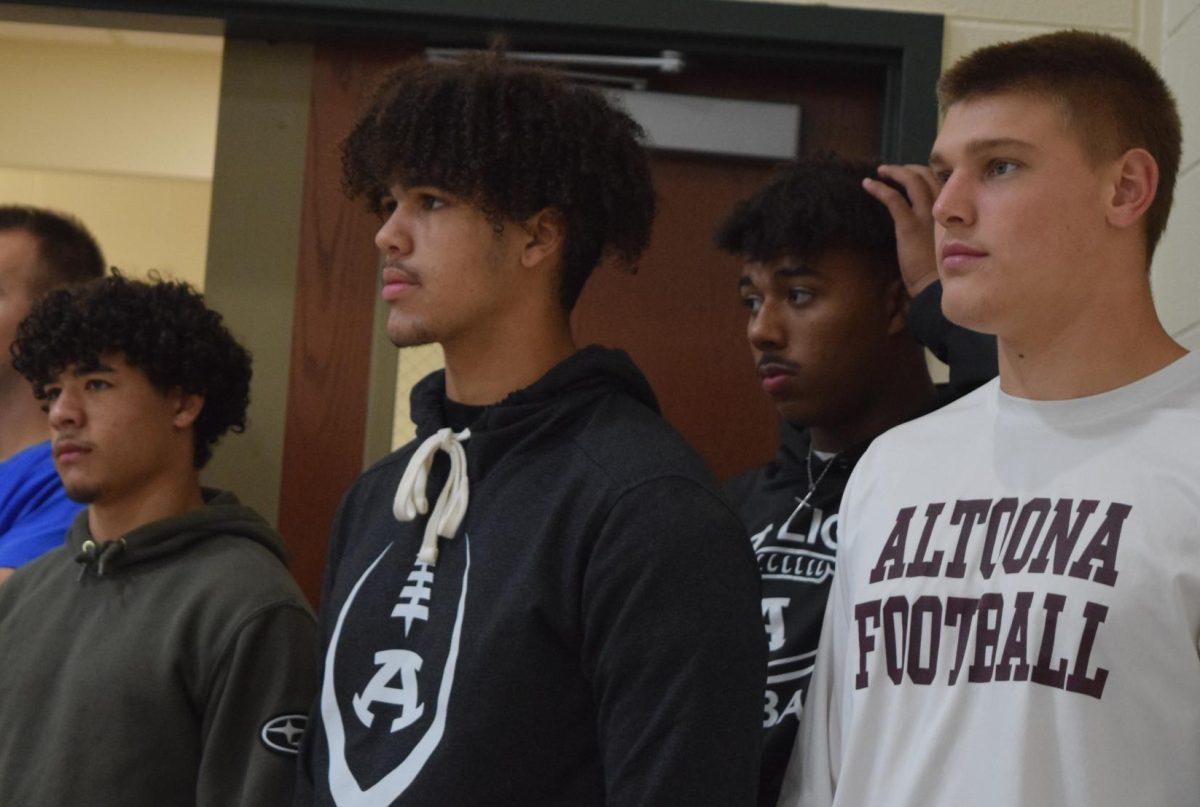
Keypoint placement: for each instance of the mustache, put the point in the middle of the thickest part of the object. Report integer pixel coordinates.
(776, 360)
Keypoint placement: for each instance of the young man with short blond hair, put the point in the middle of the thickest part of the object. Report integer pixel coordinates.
(1017, 605)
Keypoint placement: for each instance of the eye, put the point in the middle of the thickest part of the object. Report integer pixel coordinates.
(752, 303)
(97, 384)
(942, 176)
(1001, 168)
(431, 202)
(47, 396)
(799, 296)
(387, 206)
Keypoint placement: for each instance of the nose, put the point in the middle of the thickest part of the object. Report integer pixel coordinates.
(65, 411)
(395, 235)
(954, 204)
(764, 329)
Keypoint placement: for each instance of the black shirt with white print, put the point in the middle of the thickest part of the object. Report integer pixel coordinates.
(589, 635)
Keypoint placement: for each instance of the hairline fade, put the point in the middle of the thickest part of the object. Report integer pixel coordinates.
(1112, 98)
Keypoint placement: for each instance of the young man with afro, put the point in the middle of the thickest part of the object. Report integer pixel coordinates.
(1015, 615)
(836, 340)
(40, 250)
(543, 599)
(164, 655)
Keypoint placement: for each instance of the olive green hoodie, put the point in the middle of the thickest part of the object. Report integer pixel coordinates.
(170, 667)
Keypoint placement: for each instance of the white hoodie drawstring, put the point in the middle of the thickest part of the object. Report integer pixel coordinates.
(451, 506)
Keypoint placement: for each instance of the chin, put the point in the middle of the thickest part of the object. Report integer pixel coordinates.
(966, 309)
(410, 337)
(82, 493)
(796, 413)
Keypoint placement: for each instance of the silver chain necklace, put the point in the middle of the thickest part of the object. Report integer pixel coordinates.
(812, 483)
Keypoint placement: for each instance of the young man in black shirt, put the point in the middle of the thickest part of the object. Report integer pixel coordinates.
(837, 317)
(542, 600)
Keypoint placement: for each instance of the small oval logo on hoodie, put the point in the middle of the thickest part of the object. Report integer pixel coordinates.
(283, 733)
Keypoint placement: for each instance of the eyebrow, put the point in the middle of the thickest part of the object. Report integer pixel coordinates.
(787, 272)
(91, 368)
(985, 145)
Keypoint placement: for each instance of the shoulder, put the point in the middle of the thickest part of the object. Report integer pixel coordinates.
(942, 425)
(630, 445)
(746, 483)
(237, 574)
(913, 449)
(380, 479)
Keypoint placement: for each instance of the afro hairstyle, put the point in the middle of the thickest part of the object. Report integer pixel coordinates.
(809, 206)
(512, 140)
(162, 328)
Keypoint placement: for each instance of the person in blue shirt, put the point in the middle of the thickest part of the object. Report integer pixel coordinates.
(40, 250)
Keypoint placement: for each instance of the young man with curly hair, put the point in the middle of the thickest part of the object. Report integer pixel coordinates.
(40, 250)
(164, 655)
(1016, 610)
(574, 620)
(836, 339)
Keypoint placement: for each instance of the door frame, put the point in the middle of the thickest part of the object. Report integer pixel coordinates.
(908, 44)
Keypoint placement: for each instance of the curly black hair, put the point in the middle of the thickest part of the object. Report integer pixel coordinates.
(163, 328)
(809, 206)
(512, 140)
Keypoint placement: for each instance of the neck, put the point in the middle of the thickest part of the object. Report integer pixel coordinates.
(22, 421)
(111, 520)
(484, 371)
(1105, 346)
(904, 392)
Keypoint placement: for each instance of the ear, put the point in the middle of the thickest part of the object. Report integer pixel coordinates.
(545, 232)
(897, 301)
(1134, 186)
(186, 408)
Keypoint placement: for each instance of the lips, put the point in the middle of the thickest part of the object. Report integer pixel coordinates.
(397, 282)
(957, 255)
(68, 451)
(776, 376)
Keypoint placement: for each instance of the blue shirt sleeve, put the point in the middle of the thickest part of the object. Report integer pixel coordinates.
(35, 511)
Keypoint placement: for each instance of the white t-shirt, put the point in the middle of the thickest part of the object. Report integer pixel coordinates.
(1015, 619)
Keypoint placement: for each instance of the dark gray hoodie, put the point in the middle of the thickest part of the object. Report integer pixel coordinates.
(170, 667)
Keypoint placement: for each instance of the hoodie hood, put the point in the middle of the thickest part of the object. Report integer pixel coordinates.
(222, 515)
(544, 413)
(537, 410)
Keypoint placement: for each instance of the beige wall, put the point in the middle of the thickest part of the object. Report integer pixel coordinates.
(1176, 279)
(973, 23)
(119, 128)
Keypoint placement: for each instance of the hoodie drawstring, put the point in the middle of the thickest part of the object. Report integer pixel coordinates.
(451, 505)
(98, 554)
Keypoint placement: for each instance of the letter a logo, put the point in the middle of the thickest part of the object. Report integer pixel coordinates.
(408, 664)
